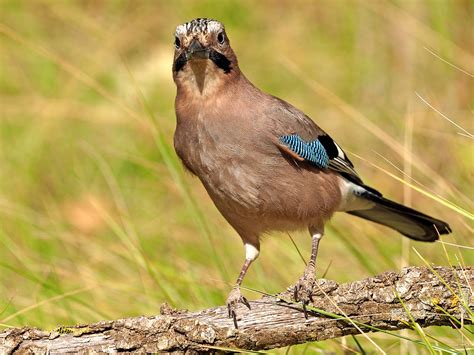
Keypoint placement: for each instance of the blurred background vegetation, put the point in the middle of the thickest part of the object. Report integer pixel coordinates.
(98, 219)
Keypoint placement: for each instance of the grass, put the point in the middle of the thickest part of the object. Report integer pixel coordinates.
(99, 220)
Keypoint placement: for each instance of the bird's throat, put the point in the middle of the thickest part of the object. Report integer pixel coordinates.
(199, 69)
(203, 78)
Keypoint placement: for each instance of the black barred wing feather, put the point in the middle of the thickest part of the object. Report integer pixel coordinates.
(322, 152)
(312, 151)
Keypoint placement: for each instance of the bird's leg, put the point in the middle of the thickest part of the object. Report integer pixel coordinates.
(304, 287)
(235, 296)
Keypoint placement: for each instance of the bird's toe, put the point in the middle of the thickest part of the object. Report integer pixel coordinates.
(303, 291)
(234, 298)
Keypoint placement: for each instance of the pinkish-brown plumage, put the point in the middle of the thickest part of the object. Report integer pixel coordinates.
(228, 134)
(258, 189)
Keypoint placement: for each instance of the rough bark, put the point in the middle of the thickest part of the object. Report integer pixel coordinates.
(272, 322)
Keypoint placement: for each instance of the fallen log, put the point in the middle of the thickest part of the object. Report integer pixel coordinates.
(441, 296)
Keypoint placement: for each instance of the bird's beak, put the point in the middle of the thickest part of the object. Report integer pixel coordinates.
(196, 51)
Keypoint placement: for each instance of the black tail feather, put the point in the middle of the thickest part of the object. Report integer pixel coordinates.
(409, 222)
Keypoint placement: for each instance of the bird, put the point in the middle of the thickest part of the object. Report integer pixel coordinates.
(265, 164)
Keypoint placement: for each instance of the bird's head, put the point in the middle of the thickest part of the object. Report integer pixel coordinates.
(203, 54)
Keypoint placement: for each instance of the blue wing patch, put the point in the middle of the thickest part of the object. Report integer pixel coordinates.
(312, 151)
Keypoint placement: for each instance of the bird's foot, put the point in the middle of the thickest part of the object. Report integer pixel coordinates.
(303, 291)
(234, 298)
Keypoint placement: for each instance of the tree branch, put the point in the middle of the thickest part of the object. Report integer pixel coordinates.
(441, 298)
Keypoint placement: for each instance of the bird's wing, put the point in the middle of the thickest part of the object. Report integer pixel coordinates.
(305, 141)
(322, 152)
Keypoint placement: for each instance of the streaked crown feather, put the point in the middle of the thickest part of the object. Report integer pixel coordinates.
(199, 25)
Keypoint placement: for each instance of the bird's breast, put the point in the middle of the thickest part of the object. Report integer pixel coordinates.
(234, 155)
(218, 153)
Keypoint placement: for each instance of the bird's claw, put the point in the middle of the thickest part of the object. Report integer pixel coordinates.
(303, 291)
(235, 297)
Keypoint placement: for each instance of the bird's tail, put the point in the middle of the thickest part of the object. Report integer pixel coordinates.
(409, 222)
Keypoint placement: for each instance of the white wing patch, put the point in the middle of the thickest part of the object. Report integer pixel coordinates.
(340, 152)
(341, 162)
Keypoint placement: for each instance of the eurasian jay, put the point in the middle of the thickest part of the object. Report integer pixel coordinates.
(265, 164)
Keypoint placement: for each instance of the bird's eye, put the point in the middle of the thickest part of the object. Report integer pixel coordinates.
(221, 37)
(177, 42)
